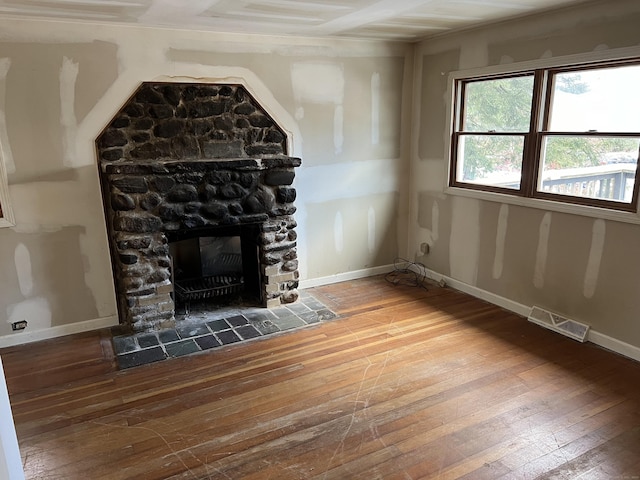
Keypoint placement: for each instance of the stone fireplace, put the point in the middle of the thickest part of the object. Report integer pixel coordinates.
(182, 165)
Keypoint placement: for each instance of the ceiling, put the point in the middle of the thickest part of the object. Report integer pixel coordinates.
(406, 20)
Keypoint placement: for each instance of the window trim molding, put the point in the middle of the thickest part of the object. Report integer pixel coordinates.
(612, 55)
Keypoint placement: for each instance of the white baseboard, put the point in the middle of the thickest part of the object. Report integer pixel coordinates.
(22, 337)
(343, 277)
(19, 338)
(597, 338)
(503, 302)
(614, 345)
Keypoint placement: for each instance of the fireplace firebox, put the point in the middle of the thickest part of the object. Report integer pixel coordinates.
(199, 201)
(216, 266)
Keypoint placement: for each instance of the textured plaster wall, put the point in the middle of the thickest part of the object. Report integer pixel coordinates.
(342, 103)
(582, 267)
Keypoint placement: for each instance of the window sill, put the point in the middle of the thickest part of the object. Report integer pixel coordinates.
(547, 205)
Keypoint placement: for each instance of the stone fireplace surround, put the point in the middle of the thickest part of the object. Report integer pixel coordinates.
(183, 157)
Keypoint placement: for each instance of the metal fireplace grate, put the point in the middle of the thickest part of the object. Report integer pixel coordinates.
(205, 288)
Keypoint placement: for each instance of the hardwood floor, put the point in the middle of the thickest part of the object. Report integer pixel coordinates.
(408, 384)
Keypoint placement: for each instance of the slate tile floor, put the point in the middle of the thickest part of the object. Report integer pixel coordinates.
(204, 330)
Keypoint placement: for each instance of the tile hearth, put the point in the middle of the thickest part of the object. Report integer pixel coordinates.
(205, 330)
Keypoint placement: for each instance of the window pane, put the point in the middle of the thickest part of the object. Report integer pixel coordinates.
(602, 100)
(590, 167)
(500, 105)
(494, 160)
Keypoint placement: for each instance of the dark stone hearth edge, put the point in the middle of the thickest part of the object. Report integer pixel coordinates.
(180, 156)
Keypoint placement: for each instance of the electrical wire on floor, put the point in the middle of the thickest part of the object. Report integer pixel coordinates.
(407, 273)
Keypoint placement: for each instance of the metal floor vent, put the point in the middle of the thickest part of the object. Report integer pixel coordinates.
(565, 326)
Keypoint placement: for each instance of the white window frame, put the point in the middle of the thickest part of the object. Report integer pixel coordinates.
(515, 68)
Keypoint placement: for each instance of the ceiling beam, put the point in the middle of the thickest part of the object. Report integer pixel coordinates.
(377, 12)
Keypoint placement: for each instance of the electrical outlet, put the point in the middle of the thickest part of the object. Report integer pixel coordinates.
(20, 325)
(424, 248)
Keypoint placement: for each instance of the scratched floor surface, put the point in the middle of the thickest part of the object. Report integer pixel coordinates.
(406, 384)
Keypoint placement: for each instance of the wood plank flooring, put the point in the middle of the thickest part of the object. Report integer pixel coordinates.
(407, 384)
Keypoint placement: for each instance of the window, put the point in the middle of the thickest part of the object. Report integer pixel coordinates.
(566, 134)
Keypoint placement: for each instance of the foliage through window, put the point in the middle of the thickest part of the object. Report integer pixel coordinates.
(569, 134)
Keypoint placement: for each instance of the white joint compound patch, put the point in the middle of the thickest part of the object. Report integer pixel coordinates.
(375, 109)
(541, 252)
(371, 227)
(22, 259)
(595, 257)
(68, 77)
(338, 129)
(5, 147)
(501, 235)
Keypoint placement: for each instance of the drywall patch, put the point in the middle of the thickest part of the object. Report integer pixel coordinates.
(542, 251)
(595, 257)
(428, 235)
(464, 249)
(36, 311)
(337, 238)
(33, 104)
(435, 221)
(38, 214)
(347, 180)
(501, 235)
(22, 259)
(68, 77)
(375, 108)
(371, 230)
(5, 147)
(338, 129)
(374, 97)
(321, 83)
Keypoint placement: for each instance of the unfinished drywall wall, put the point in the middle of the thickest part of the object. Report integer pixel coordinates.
(340, 102)
(585, 268)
